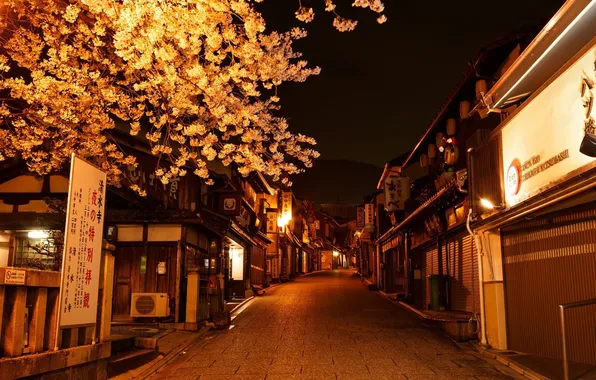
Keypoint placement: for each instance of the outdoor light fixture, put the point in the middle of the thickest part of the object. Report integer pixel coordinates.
(489, 205)
(281, 222)
(36, 234)
(335, 253)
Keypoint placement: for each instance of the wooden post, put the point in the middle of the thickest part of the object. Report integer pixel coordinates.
(179, 255)
(2, 290)
(108, 289)
(38, 298)
(192, 297)
(49, 339)
(85, 336)
(14, 325)
(70, 337)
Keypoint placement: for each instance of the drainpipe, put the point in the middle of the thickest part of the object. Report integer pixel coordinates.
(478, 244)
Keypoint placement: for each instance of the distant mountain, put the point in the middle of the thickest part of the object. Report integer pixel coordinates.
(337, 181)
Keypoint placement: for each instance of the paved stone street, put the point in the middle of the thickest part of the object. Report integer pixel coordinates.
(328, 326)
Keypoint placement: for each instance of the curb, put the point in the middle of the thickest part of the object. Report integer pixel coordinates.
(241, 304)
(517, 367)
(163, 361)
(309, 273)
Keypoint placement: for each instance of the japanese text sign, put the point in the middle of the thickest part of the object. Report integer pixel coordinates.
(369, 214)
(82, 245)
(397, 191)
(286, 205)
(271, 222)
(360, 217)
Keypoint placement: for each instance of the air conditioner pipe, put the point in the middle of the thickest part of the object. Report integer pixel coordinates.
(478, 244)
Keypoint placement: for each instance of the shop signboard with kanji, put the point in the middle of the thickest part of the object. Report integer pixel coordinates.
(82, 245)
(397, 191)
(271, 222)
(360, 217)
(286, 205)
(369, 214)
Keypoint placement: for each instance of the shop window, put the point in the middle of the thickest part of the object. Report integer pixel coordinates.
(237, 262)
(39, 250)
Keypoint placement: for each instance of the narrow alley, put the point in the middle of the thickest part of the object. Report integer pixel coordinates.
(328, 326)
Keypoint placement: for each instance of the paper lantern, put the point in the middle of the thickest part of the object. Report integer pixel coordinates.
(439, 139)
(451, 153)
(424, 160)
(451, 126)
(481, 88)
(432, 151)
(464, 109)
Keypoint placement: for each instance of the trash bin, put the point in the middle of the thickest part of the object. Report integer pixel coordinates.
(434, 291)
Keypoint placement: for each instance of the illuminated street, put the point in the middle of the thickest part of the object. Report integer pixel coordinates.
(328, 326)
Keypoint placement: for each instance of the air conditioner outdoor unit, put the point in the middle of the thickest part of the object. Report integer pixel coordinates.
(149, 305)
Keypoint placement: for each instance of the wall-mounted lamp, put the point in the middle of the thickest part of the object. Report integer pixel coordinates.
(335, 253)
(36, 234)
(489, 205)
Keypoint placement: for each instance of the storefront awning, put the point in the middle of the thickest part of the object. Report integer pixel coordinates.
(570, 29)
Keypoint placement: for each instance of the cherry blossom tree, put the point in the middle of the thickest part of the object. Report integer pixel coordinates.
(196, 78)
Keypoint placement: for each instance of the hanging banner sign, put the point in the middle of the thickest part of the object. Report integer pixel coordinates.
(271, 222)
(360, 217)
(369, 214)
(286, 205)
(230, 202)
(397, 191)
(82, 245)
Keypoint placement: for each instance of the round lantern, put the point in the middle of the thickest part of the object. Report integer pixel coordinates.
(451, 153)
(432, 151)
(439, 139)
(423, 160)
(481, 88)
(451, 127)
(464, 110)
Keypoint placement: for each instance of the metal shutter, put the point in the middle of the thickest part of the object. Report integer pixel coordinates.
(548, 262)
(432, 267)
(463, 273)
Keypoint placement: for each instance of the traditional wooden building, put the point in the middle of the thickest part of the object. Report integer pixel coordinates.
(536, 174)
(428, 257)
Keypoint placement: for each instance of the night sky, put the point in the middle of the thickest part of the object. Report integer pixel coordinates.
(381, 85)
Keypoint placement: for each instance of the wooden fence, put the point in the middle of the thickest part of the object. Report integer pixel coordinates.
(28, 323)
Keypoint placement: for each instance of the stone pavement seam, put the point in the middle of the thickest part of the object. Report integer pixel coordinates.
(163, 361)
(517, 367)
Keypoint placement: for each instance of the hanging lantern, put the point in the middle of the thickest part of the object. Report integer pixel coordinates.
(451, 126)
(481, 88)
(439, 139)
(464, 110)
(424, 160)
(451, 153)
(432, 151)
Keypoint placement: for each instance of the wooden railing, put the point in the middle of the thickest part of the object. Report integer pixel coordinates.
(28, 322)
(29, 312)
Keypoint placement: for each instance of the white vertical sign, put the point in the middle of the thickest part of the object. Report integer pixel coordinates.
(369, 212)
(82, 245)
(286, 206)
(397, 191)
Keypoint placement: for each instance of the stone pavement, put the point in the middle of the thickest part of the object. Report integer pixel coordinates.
(328, 326)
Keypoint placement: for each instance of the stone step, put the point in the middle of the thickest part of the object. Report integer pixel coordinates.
(122, 343)
(128, 360)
